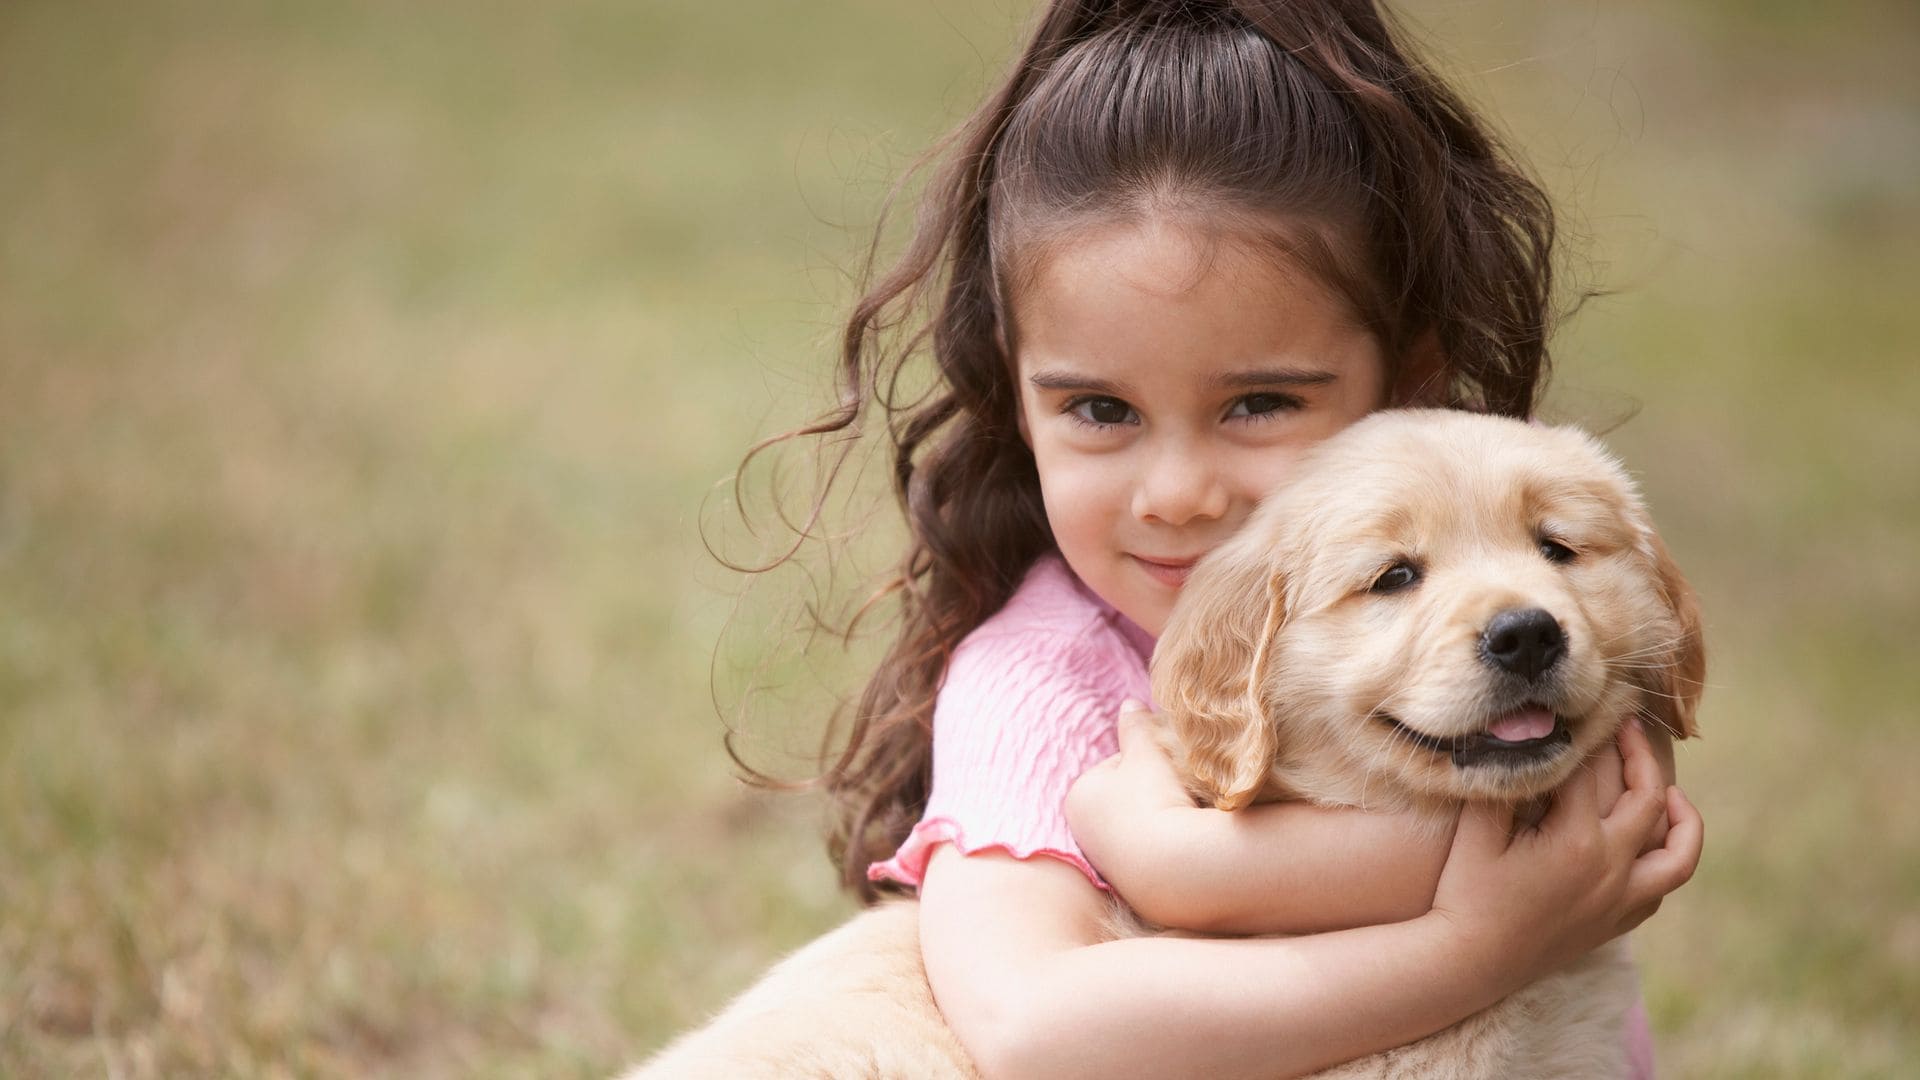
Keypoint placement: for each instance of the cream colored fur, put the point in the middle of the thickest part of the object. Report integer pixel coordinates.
(1276, 679)
(853, 1005)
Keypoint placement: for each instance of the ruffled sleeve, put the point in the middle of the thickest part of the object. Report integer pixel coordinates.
(1027, 706)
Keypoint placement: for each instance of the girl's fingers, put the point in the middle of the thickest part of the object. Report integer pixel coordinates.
(1656, 836)
(1631, 825)
(1684, 817)
(1484, 830)
(1639, 769)
(1635, 818)
(1576, 800)
(1136, 728)
(1668, 867)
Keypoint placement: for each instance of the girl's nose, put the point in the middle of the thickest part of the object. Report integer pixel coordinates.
(1180, 486)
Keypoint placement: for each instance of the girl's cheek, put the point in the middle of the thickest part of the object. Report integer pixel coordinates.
(1081, 490)
(1072, 481)
(1267, 471)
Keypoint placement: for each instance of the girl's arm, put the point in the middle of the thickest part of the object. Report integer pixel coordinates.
(1287, 867)
(1015, 957)
(1273, 868)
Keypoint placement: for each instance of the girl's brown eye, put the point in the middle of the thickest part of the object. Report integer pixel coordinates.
(1104, 411)
(1263, 404)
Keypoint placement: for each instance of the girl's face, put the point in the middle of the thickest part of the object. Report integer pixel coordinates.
(1168, 379)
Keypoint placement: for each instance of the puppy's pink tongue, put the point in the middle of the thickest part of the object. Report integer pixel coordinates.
(1524, 724)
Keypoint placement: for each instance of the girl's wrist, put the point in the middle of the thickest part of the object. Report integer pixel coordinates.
(1485, 967)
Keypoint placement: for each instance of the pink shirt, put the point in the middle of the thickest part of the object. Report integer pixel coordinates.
(1030, 701)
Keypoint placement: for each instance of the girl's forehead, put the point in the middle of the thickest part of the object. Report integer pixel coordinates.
(1163, 254)
(1141, 297)
(1158, 255)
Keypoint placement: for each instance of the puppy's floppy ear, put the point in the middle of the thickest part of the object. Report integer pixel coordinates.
(1676, 685)
(1210, 671)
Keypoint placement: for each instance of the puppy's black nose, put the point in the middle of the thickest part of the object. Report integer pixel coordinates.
(1525, 641)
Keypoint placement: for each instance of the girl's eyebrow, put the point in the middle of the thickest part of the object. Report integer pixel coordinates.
(1252, 378)
(1258, 377)
(1068, 380)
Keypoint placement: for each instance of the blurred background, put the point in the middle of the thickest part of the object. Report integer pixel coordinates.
(367, 370)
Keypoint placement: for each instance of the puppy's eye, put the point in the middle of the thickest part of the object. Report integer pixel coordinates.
(1555, 551)
(1398, 576)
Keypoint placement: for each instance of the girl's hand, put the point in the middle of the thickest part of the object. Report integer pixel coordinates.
(1533, 902)
(1111, 801)
(1608, 768)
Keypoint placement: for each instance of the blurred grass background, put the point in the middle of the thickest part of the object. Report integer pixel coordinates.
(364, 369)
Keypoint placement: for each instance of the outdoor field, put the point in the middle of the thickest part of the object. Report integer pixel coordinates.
(370, 377)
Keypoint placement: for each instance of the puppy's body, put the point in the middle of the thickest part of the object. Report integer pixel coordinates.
(853, 1005)
(1440, 607)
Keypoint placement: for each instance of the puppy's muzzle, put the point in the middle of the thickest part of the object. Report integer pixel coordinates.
(1527, 642)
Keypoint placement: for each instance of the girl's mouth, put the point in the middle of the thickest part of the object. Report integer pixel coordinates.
(1169, 572)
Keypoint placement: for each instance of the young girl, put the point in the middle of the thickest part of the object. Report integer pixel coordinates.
(1182, 243)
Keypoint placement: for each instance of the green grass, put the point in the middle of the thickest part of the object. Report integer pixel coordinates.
(366, 370)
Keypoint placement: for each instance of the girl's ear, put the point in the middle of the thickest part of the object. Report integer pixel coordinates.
(1210, 670)
(1675, 687)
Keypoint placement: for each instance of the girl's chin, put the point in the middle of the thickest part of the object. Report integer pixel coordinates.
(1147, 600)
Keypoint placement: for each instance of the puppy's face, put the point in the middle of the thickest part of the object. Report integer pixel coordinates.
(1442, 606)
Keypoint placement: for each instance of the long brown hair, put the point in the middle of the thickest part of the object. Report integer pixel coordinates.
(1312, 116)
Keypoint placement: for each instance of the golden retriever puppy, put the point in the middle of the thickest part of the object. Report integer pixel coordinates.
(1438, 607)
(1441, 607)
